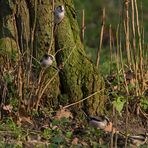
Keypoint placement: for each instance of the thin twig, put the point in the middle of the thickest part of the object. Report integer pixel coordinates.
(58, 51)
(47, 84)
(83, 99)
(52, 28)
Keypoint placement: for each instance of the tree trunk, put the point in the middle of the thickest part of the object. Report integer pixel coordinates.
(25, 26)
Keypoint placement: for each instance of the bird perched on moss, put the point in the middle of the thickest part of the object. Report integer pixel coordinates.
(100, 122)
(138, 140)
(59, 14)
(47, 60)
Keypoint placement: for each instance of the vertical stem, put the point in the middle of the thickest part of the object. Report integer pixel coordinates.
(34, 24)
(111, 136)
(123, 73)
(110, 43)
(19, 72)
(142, 25)
(127, 34)
(127, 91)
(101, 38)
(83, 26)
(52, 28)
(134, 45)
(140, 48)
(118, 56)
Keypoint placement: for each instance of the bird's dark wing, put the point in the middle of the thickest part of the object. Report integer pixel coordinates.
(95, 118)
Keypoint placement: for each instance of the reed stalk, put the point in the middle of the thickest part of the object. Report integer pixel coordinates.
(101, 38)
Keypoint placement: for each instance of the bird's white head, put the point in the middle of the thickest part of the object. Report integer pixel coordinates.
(47, 60)
(59, 14)
(60, 9)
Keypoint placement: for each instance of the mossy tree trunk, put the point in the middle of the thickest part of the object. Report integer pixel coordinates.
(29, 23)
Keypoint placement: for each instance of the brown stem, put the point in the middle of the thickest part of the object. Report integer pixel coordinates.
(101, 38)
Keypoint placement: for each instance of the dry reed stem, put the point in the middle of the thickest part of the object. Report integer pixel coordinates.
(83, 26)
(126, 28)
(127, 34)
(127, 90)
(112, 134)
(140, 48)
(110, 45)
(39, 81)
(118, 56)
(142, 25)
(134, 46)
(101, 38)
(41, 91)
(118, 72)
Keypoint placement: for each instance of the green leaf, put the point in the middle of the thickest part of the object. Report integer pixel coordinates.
(52, 145)
(68, 134)
(144, 103)
(8, 78)
(58, 140)
(119, 104)
(55, 122)
(47, 133)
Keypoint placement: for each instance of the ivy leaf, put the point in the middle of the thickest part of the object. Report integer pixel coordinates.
(144, 103)
(58, 140)
(55, 122)
(119, 104)
(69, 134)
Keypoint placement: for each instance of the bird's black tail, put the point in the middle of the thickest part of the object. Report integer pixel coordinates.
(86, 115)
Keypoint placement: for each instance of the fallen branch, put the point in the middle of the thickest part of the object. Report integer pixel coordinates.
(83, 99)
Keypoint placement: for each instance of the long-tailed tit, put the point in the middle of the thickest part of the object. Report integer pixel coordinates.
(138, 140)
(59, 14)
(47, 60)
(100, 122)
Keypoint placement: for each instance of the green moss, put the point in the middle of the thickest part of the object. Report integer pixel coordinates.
(42, 42)
(79, 77)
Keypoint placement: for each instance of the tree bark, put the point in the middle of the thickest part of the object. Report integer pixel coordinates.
(25, 25)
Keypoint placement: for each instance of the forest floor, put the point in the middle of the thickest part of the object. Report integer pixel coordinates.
(64, 130)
